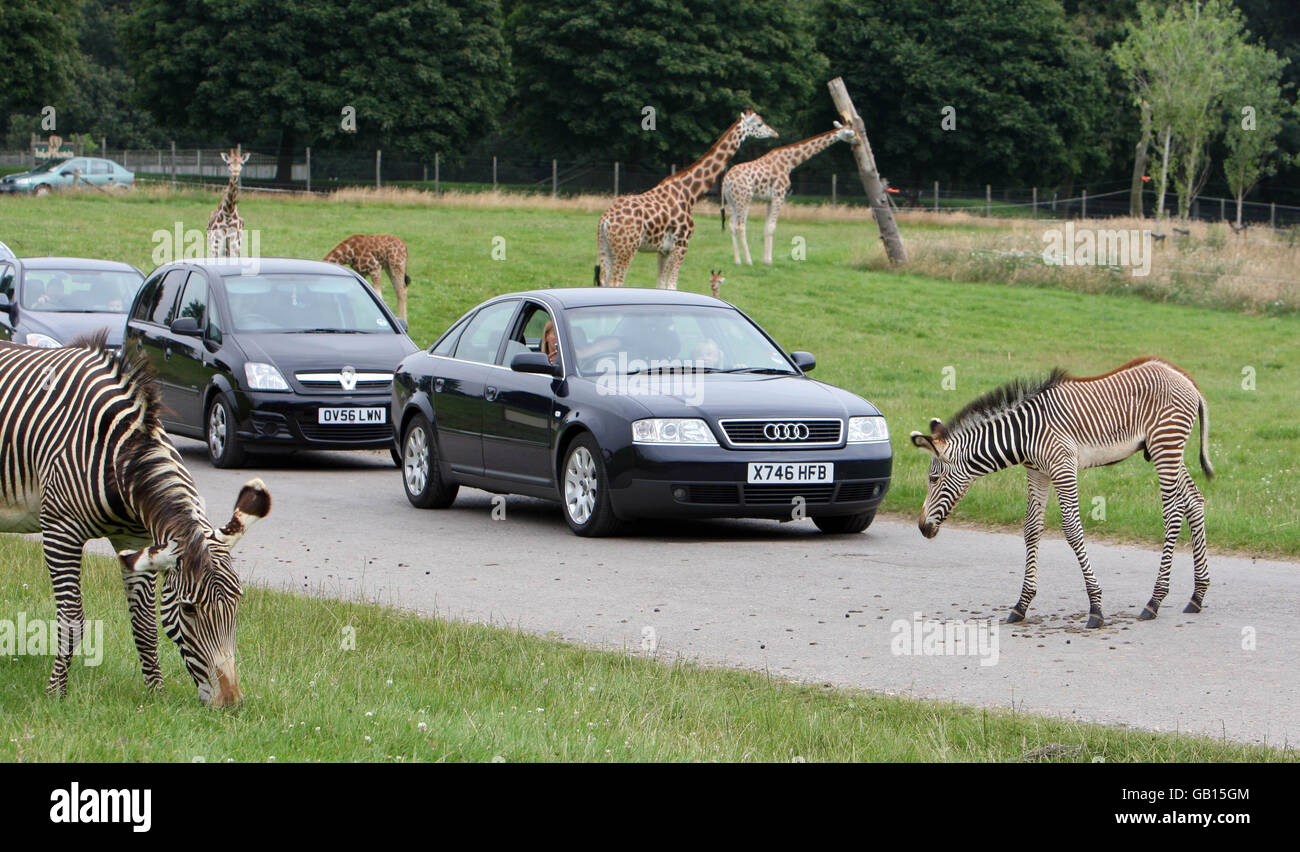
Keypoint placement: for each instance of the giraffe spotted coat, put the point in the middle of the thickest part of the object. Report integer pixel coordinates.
(369, 254)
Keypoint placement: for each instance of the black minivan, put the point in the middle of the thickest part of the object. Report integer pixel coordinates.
(269, 353)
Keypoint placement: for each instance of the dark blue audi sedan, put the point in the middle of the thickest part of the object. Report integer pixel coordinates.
(625, 403)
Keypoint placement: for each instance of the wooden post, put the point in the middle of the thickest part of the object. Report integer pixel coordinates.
(936, 196)
(173, 164)
(616, 178)
(870, 176)
(1035, 203)
(555, 179)
(424, 173)
(1053, 204)
(437, 173)
(1223, 209)
(309, 168)
(198, 163)
(379, 159)
(834, 180)
(988, 200)
(494, 172)
(1083, 212)
(1272, 214)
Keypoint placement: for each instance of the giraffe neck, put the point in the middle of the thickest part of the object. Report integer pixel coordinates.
(698, 178)
(799, 152)
(231, 197)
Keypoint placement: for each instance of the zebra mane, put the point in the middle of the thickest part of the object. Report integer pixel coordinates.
(1003, 398)
(149, 471)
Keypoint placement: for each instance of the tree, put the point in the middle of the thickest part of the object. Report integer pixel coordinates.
(1256, 110)
(39, 58)
(588, 69)
(1027, 93)
(420, 76)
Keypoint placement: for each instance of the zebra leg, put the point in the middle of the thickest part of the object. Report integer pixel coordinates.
(1067, 494)
(63, 558)
(1195, 508)
(141, 591)
(1169, 468)
(1035, 518)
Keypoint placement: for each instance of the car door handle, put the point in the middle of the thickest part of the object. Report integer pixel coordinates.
(438, 385)
(490, 394)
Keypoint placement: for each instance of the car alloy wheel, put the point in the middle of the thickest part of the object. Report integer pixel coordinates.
(421, 474)
(223, 445)
(580, 485)
(218, 431)
(584, 490)
(415, 461)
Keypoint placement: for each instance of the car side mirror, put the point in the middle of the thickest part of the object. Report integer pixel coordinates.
(534, 362)
(187, 326)
(804, 360)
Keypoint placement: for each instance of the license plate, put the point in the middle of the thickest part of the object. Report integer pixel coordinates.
(337, 416)
(791, 473)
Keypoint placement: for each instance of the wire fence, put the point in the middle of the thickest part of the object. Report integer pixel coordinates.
(323, 172)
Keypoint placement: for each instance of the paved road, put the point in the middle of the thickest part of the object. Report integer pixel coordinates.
(784, 598)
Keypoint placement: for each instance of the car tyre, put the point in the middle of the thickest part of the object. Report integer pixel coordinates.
(224, 449)
(396, 455)
(421, 474)
(41, 190)
(844, 524)
(584, 490)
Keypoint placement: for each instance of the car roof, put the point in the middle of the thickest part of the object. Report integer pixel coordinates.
(236, 265)
(586, 297)
(76, 263)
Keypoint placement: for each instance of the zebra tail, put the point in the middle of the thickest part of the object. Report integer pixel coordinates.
(1203, 412)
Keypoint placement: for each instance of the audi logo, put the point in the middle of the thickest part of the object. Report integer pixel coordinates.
(786, 431)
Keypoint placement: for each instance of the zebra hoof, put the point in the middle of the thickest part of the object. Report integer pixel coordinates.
(1015, 616)
(1192, 606)
(1149, 612)
(1094, 618)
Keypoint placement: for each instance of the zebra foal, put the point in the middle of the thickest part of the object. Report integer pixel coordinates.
(1059, 426)
(83, 455)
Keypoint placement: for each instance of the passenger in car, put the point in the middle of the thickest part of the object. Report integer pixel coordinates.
(551, 342)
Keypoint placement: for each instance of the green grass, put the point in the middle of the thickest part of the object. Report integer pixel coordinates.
(886, 336)
(417, 689)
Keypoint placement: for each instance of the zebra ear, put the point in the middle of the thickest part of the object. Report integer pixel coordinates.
(923, 441)
(937, 430)
(149, 560)
(252, 504)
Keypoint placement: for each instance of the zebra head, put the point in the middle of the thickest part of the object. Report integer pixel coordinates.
(201, 593)
(949, 477)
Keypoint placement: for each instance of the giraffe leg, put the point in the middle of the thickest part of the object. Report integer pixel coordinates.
(1035, 520)
(622, 250)
(1169, 467)
(377, 279)
(395, 274)
(1066, 483)
(675, 262)
(769, 228)
(734, 226)
(1195, 509)
(63, 558)
(141, 591)
(742, 220)
(659, 276)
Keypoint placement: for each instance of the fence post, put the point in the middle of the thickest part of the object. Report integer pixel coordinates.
(616, 178)
(1223, 209)
(834, 181)
(103, 146)
(936, 196)
(198, 163)
(1196, 208)
(1272, 214)
(437, 173)
(425, 173)
(1083, 213)
(988, 199)
(379, 157)
(1035, 215)
(309, 168)
(494, 172)
(173, 164)
(555, 179)
(1053, 205)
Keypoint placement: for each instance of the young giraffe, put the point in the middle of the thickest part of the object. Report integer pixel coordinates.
(716, 281)
(368, 254)
(660, 220)
(225, 225)
(768, 179)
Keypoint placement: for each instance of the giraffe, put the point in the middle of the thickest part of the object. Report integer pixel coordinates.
(225, 225)
(716, 281)
(660, 220)
(768, 179)
(369, 254)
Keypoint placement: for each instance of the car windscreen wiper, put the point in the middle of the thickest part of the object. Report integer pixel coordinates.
(771, 371)
(326, 331)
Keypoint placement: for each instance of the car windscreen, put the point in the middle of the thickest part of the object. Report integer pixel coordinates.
(79, 290)
(45, 167)
(643, 338)
(301, 303)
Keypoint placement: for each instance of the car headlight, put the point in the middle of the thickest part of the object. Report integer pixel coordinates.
(262, 376)
(865, 430)
(43, 341)
(662, 430)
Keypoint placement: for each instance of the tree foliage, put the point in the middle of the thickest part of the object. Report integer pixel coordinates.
(39, 58)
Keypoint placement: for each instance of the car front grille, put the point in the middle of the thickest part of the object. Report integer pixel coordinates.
(332, 380)
(775, 433)
(767, 495)
(347, 432)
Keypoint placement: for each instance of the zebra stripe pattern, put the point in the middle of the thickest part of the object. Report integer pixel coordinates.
(1059, 426)
(83, 456)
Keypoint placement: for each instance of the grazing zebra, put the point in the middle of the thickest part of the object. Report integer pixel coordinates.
(83, 456)
(1061, 425)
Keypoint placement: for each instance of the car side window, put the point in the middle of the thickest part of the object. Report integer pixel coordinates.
(213, 331)
(143, 307)
(7, 281)
(162, 304)
(194, 299)
(447, 345)
(481, 338)
(99, 167)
